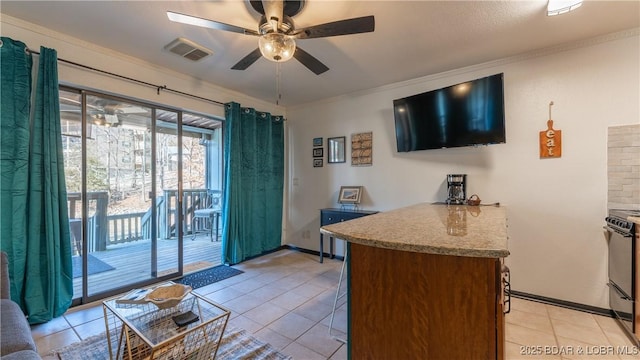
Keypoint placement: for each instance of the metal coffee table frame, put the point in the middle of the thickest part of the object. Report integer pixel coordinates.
(144, 331)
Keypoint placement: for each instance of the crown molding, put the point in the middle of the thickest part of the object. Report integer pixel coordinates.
(634, 32)
(87, 46)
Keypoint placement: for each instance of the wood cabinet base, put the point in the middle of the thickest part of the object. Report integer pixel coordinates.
(405, 305)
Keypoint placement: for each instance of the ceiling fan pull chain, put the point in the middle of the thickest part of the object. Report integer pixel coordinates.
(278, 83)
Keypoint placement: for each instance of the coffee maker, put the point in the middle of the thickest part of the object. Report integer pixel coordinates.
(456, 189)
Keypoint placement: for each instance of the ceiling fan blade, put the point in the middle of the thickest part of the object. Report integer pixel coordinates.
(342, 27)
(309, 61)
(273, 11)
(132, 110)
(202, 22)
(248, 60)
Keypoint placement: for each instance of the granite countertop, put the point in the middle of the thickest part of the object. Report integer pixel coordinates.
(635, 219)
(458, 230)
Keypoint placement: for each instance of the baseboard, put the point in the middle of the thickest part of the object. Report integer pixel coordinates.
(281, 247)
(562, 303)
(517, 294)
(313, 252)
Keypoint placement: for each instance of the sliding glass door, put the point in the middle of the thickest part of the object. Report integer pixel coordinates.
(71, 126)
(118, 204)
(129, 209)
(202, 199)
(168, 188)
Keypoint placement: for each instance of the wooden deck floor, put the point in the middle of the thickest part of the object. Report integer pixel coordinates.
(132, 262)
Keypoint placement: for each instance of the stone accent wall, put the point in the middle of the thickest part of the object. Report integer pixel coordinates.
(623, 167)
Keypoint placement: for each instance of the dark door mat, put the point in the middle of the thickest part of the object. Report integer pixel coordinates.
(208, 276)
(94, 266)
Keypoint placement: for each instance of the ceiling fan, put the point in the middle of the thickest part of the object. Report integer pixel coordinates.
(277, 34)
(101, 111)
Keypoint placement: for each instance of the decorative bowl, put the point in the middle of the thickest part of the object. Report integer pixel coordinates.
(168, 296)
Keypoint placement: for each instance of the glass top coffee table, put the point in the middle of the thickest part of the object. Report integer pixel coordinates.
(144, 331)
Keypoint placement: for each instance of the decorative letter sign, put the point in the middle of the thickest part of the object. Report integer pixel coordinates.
(550, 140)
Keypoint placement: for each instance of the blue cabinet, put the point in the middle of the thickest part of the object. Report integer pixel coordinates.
(331, 216)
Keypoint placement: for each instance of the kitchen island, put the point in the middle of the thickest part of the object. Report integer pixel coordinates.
(425, 282)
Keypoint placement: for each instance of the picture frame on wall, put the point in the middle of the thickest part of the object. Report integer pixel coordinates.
(336, 150)
(317, 162)
(317, 141)
(350, 194)
(318, 152)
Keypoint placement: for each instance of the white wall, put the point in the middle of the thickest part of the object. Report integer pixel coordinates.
(76, 50)
(556, 207)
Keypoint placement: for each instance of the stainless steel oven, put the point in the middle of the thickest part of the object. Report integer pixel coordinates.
(622, 267)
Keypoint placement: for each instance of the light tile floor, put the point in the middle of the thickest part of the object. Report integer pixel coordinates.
(285, 299)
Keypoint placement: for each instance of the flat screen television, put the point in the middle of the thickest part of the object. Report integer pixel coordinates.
(466, 114)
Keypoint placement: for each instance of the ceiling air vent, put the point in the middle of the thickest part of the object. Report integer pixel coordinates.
(188, 49)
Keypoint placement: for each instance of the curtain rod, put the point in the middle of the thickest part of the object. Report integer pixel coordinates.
(158, 87)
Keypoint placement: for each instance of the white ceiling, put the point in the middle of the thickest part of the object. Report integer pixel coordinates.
(411, 39)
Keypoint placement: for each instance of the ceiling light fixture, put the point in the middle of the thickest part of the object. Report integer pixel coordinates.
(277, 47)
(108, 120)
(557, 7)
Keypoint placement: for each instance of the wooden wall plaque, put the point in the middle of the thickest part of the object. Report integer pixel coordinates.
(550, 142)
(362, 149)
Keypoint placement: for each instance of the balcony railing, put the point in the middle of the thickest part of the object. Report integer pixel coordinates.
(192, 199)
(105, 230)
(124, 228)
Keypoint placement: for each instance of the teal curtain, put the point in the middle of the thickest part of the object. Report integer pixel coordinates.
(15, 97)
(254, 178)
(38, 244)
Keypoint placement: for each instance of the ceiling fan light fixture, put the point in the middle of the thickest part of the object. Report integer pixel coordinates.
(277, 47)
(557, 7)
